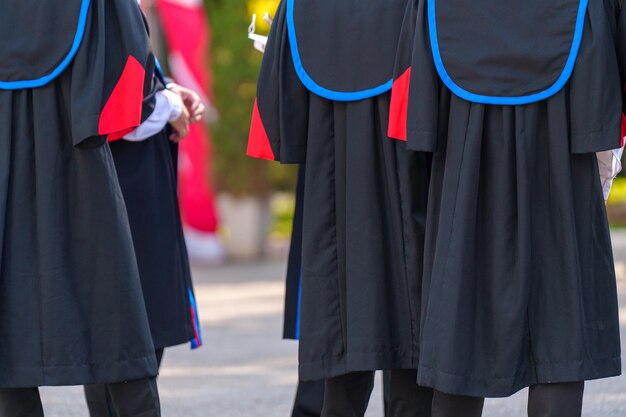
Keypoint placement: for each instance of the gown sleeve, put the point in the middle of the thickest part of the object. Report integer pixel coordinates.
(416, 92)
(609, 165)
(620, 43)
(610, 161)
(279, 127)
(112, 74)
(398, 108)
(168, 107)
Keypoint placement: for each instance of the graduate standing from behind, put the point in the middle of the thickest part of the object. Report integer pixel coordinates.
(514, 100)
(71, 307)
(146, 163)
(323, 101)
(309, 399)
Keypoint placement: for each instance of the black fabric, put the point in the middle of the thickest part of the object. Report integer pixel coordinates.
(71, 307)
(616, 12)
(20, 402)
(596, 100)
(29, 55)
(448, 405)
(348, 395)
(294, 266)
(327, 32)
(99, 396)
(309, 399)
(544, 400)
(137, 398)
(386, 386)
(147, 172)
(407, 400)
(363, 222)
(363, 231)
(282, 99)
(128, 37)
(404, 397)
(556, 400)
(116, 33)
(519, 282)
(159, 356)
(98, 401)
(529, 43)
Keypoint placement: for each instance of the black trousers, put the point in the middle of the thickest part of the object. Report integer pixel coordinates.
(348, 395)
(309, 399)
(138, 398)
(544, 400)
(100, 399)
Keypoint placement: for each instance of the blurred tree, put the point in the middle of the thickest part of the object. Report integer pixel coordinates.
(236, 66)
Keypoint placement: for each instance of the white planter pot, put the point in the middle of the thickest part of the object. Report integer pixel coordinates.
(245, 222)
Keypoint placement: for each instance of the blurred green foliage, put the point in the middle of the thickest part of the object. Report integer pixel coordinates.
(282, 215)
(236, 66)
(618, 192)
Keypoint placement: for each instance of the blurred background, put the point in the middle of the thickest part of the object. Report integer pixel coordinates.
(234, 207)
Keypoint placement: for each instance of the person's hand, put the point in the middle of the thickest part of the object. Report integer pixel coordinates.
(193, 103)
(180, 126)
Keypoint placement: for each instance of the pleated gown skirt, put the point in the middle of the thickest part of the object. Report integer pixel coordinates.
(519, 281)
(363, 230)
(71, 307)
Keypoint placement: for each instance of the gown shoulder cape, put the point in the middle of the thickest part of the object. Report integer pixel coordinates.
(66, 30)
(505, 52)
(323, 101)
(74, 73)
(321, 37)
(32, 58)
(534, 49)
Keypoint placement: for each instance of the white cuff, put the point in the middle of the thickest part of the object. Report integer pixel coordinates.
(609, 165)
(176, 104)
(168, 107)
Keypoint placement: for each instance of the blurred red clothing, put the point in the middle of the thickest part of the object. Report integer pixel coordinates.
(187, 33)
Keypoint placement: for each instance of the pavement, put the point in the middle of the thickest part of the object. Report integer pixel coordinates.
(246, 370)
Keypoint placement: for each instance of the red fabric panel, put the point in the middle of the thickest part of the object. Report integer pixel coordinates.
(258, 142)
(399, 106)
(122, 111)
(119, 135)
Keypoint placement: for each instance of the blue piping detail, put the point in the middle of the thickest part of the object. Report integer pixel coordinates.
(159, 71)
(314, 87)
(196, 342)
(298, 308)
(78, 40)
(513, 101)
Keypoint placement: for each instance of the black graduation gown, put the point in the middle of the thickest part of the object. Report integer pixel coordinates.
(519, 283)
(364, 194)
(147, 172)
(71, 308)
